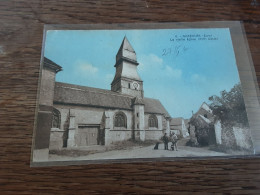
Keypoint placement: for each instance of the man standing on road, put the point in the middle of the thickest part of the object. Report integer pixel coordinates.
(165, 141)
(174, 142)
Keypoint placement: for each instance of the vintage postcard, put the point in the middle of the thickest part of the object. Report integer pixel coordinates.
(122, 93)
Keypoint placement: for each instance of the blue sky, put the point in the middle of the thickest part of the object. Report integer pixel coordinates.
(180, 72)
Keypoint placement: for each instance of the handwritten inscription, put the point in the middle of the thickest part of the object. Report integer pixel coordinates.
(174, 50)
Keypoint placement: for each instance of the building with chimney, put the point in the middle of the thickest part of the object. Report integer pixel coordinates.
(81, 116)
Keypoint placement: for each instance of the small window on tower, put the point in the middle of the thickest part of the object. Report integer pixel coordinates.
(137, 114)
(129, 85)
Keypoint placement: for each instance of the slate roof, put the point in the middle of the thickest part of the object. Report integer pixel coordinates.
(80, 95)
(124, 51)
(125, 45)
(154, 106)
(74, 94)
(52, 65)
(138, 101)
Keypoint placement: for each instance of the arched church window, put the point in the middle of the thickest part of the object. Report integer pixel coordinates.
(152, 121)
(120, 120)
(55, 118)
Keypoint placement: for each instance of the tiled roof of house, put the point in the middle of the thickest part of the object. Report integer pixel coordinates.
(80, 95)
(206, 107)
(176, 121)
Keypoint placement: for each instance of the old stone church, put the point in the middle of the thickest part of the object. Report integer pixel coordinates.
(77, 116)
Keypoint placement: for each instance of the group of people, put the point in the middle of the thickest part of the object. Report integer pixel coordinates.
(173, 139)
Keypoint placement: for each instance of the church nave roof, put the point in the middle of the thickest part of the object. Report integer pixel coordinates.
(65, 93)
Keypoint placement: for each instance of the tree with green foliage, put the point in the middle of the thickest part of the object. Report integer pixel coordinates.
(229, 107)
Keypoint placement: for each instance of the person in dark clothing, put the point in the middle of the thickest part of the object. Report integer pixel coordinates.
(165, 141)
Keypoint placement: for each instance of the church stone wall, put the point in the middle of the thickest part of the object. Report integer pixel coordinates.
(56, 139)
(44, 116)
(160, 121)
(138, 117)
(91, 116)
(95, 116)
(88, 116)
(159, 118)
(83, 115)
(154, 133)
(115, 134)
(47, 87)
(57, 134)
(64, 114)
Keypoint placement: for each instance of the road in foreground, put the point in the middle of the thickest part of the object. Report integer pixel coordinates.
(143, 152)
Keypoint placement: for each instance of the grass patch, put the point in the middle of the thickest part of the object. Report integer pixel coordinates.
(129, 144)
(120, 145)
(72, 152)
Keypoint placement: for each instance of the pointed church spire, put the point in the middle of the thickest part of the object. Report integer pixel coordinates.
(126, 51)
(126, 45)
(126, 80)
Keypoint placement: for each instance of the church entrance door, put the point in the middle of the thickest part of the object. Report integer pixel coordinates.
(88, 136)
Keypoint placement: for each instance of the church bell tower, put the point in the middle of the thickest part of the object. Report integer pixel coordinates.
(126, 80)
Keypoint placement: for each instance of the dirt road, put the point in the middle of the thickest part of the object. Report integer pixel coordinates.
(144, 152)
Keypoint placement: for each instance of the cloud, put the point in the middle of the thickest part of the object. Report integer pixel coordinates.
(86, 68)
(197, 78)
(150, 61)
(156, 59)
(150, 64)
(175, 73)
